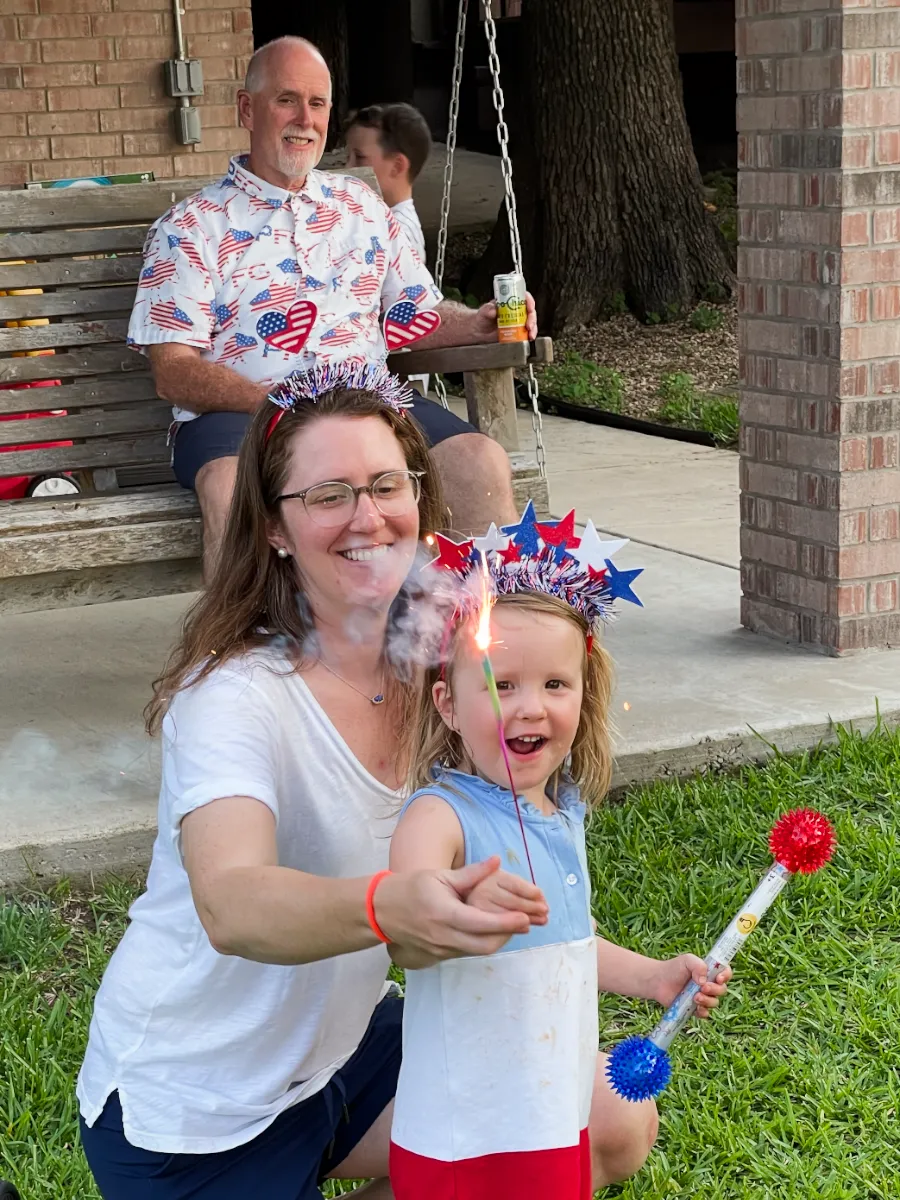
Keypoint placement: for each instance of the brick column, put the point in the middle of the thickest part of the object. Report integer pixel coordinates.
(819, 296)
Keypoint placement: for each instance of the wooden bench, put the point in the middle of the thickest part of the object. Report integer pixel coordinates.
(132, 532)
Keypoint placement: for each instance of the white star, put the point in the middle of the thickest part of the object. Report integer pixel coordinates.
(591, 552)
(492, 540)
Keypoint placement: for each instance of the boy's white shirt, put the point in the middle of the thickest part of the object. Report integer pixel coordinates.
(408, 220)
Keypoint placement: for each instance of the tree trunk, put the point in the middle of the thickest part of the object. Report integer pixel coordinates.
(608, 189)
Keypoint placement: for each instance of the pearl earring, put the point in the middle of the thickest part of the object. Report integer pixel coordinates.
(282, 553)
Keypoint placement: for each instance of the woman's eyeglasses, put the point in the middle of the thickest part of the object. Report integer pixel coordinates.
(331, 504)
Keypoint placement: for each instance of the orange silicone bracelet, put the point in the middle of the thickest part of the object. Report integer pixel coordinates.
(370, 906)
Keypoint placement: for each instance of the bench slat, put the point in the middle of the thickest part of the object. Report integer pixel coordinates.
(81, 549)
(150, 419)
(95, 512)
(66, 333)
(63, 271)
(69, 242)
(490, 356)
(82, 362)
(120, 390)
(62, 208)
(69, 303)
(97, 453)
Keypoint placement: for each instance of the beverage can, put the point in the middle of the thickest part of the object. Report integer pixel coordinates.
(509, 293)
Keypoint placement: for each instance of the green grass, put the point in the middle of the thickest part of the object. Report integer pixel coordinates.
(792, 1090)
(682, 404)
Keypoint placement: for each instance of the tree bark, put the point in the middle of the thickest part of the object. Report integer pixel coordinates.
(609, 195)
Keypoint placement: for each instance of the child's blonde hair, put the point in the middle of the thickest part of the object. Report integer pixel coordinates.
(431, 741)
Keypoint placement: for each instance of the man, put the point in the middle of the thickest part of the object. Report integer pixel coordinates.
(231, 275)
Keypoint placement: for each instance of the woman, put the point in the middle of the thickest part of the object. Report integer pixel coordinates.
(242, 1042)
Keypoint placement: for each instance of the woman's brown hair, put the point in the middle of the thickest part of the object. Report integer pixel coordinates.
(431, 741)
(255, 596)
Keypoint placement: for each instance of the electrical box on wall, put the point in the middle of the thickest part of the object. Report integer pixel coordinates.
(187, 125)
(184, 77)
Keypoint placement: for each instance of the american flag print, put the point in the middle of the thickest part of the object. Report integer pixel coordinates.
(404, 324)
(243, 250)
(167, 315)
(235, 241)
(324, 219)
(236, 347)
(276, 296)
(157, 272)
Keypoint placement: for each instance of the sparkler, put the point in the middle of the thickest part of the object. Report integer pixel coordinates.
(483, 642)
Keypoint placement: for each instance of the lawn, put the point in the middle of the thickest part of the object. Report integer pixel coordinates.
(791, 1091)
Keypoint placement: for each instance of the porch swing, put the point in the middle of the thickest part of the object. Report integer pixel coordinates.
(489, 370)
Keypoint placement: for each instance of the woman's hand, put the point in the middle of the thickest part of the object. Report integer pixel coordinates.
(674, 973)
(427, 916)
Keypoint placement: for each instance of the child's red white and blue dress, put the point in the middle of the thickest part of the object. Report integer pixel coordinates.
(499, 1052)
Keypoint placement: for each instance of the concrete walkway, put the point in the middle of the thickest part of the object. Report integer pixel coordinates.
(78, 779)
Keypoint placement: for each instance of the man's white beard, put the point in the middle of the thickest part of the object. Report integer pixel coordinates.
(295, 163)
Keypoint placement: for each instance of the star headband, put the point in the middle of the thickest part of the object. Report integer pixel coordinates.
(305, 387)
(542, 556)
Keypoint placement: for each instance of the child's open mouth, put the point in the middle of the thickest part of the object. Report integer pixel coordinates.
(527, 745)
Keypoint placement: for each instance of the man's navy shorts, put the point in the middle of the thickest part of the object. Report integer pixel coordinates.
(287, 1161)
(219, 435)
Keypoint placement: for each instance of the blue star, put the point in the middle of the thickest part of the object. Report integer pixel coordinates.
(620, 583)
(525, 534)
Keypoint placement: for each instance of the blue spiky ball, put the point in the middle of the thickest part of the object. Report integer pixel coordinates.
(638, 1069)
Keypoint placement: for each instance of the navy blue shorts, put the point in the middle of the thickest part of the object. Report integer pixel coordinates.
(286, 1162)
(219, 435)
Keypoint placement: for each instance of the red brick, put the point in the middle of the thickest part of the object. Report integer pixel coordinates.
(243, 21)
(857, 149)
(138, 95)
(63, 122)
(770, 620)
(23, 149)
(203, 44)
(855, 305)
(801, 592)
(10, 7)
(85, 145)
(868, 489)
(856, 71)
(883, 451)
(12, 50)
(233, 140)
(770, 112)
(887, 68)
(75, 6)
(22, 100)
(223, 93)
(13, 174)
(854, 381)
(14, 125)
(765, 480)
(850, 599)
(161, 167)
(853, 454)
(886, 225)
(884, 524)
(886, 378)
(142, 5)
(883, 595)
(80, 50)
(137, 119)
(55, 27)
(219, 115)
(887, 148)
(10, 77)
(82, 99)
(855, 229)
(129, 25)
(187, 165)
(871, 341)
(852, 528)
(59, 75)
(69, 169)
(208, 21)
(131, 72)
(871, 109)
(148, 143)
(767, 548)
(158, 48)
(863, 562)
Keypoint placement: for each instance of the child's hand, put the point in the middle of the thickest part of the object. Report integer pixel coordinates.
(674, 973)
(503, 892)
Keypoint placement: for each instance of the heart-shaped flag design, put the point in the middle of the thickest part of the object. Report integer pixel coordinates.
(288, 331)
(404, 324)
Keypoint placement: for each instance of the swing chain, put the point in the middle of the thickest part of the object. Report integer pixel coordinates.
(452, 121)
(490, 29)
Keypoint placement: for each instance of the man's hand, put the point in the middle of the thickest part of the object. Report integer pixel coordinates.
(487, 318)
(504, 892)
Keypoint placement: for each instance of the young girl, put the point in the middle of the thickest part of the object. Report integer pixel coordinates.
(500, 1053)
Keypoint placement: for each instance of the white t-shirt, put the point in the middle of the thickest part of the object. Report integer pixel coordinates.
(408, 220)
(206, 1050)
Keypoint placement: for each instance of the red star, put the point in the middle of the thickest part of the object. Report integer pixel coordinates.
(454, 556)
(596, 576)
(511, 554)
(561, 533)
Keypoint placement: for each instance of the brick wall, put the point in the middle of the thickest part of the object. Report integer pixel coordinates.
(819, 268)
(81, 87)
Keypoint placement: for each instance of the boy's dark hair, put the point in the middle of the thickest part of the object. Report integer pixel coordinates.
(401, 130)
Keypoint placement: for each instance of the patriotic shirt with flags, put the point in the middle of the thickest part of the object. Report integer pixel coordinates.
(223, 267)
(500, 1051)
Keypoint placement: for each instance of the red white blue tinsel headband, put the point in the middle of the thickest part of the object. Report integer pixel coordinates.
(305, 387)
(541, 556)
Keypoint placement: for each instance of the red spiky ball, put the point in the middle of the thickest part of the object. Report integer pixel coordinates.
(802, 840)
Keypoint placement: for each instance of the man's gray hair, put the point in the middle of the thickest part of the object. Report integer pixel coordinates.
(255, 78)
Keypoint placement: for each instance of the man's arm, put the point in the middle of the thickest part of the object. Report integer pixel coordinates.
(461, 326)
(185, 379)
